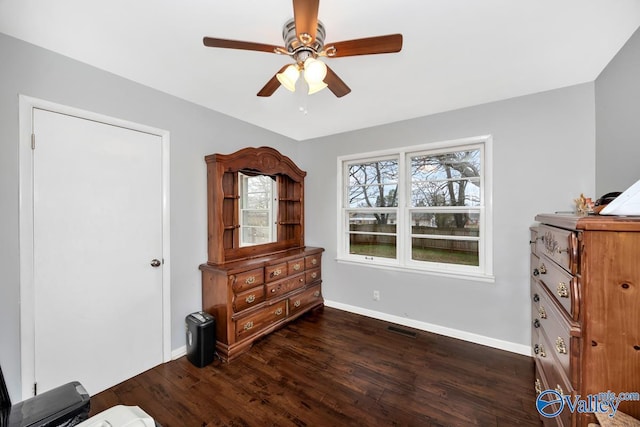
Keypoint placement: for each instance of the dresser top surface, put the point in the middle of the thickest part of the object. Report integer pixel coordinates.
(591, 222)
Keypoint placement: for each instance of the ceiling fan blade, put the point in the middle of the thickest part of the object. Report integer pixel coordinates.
(305, 15)
(235, 44)
(335, 84)
(272, 85)
(368, 46)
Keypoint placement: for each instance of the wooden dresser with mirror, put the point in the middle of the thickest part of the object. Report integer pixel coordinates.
(259, 275)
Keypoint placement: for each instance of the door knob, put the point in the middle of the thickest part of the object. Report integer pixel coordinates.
(155, 263)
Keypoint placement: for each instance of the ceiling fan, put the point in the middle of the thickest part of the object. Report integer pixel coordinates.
(304, 42)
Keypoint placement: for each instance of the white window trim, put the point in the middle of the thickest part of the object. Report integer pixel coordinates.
(482, 273)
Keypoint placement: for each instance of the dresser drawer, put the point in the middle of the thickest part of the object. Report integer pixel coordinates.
(246, 279)
(296, 266)
(283, 286)
(275, 272)
(248, 298)
(554, 328)
(560, 283)
(260, 319)
(312, 275)
(559, 245)
(312, 261)
(304, 299)
(555, 380)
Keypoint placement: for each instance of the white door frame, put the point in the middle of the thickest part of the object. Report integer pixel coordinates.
(25, 153)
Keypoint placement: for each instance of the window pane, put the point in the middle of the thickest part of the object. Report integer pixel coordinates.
(372, 245)
(446, 179)
(373, 184)
(378, 222)
(448, 224)
(445, 251)
(445, 193)
(370, 196)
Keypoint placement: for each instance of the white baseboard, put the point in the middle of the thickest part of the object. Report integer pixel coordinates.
(178, 352)
(437, 329)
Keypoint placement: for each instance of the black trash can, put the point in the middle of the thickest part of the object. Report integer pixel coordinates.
(201, 338)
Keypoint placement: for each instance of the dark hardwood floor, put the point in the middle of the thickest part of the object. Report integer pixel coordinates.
(333, 368)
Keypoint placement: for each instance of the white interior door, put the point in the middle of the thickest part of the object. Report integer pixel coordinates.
(97, 212)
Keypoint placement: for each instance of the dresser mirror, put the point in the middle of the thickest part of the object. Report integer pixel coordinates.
(255, 204)
(258, 195)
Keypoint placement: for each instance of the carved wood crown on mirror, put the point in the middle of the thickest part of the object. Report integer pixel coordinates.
(250, 287)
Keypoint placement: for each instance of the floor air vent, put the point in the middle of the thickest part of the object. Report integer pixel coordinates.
(402, 331)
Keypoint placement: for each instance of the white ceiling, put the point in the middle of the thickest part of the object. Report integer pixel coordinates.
(456, 53)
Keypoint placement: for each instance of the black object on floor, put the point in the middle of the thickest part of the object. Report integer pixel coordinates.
(201, 338)
(63, 406)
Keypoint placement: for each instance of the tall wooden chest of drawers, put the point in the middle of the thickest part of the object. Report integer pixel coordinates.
(252, 297)
(585, 297)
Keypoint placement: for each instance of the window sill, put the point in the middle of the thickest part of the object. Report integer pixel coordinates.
(476, 277)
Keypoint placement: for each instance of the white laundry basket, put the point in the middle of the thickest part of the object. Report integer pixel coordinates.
(120, 416)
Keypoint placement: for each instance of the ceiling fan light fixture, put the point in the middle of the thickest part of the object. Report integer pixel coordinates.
(314, 71)
(316, 87)
(288, 77)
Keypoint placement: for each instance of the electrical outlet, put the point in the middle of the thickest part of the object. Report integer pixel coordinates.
(376, 295)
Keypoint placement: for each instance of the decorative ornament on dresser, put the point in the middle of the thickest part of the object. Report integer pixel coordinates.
(259, 275)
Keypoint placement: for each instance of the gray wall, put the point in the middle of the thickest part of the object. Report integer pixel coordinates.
(195, 131)
(544, 157)
(618, 120)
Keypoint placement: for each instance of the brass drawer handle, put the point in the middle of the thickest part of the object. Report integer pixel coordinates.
(251, 298)
(538, 386)
(316, 294)
(296, 267)
(277, 272)
(563, 291)
(278, 312)
(561, 346)
(559, 390)
(539, 350)
(314, 261)
(248, 325)
(314, 275)
(250, 280)
(542, 312)
(542, 269)
(297, 303)
(536, 323)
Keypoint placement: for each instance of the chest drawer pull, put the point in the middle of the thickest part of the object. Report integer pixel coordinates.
(316, 294)
(559, 390)
(538, 386)
(296, 303)
(278, 312)
(248, 325)
(561, 346)
(277, 272)
(563, 291)
(539, 350)
(296, 267)
(251, 298)
(536, 323)
(249, 280)
(314, 275)
(542, 312)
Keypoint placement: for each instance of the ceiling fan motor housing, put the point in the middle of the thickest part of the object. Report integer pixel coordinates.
(296, 47)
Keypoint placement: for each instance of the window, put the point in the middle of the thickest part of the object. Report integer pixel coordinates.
(424, 208)
(257, 210)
